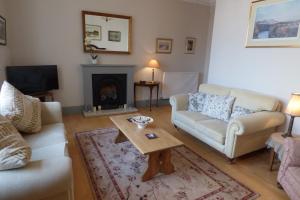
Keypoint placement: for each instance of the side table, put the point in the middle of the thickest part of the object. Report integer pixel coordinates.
(150, 85)
(275, 143)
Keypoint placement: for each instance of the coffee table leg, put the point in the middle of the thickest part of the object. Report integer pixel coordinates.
(120, 138)
(158, 162)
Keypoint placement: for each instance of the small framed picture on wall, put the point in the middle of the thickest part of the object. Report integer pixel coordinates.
(190, 45)
(2, 31)
(164, 45)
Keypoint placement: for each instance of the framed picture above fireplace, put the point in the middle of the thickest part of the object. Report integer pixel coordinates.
(106, 33)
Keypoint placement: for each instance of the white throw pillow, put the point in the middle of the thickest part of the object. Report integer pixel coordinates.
(217, 106)
(240, 111)
(196, 101)
(14, 150)
(23, 111)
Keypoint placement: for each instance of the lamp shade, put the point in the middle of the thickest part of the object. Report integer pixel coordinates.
(293, 107)
(153, 64)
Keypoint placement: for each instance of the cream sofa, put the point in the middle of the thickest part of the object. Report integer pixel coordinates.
(49, 173)
(240, 136)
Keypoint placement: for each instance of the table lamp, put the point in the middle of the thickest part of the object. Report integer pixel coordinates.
(293, 109)
(153, 64)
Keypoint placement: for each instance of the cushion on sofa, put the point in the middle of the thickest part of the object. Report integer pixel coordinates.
(213, 128)
(24, 111)
(239, 111)
(14, 150)
(196, 101)
(254, 101)
(189, 118)
(218, 106)
(51, 134)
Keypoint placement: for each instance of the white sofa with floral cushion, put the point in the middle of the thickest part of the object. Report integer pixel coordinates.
(233, 137)
(48, 175)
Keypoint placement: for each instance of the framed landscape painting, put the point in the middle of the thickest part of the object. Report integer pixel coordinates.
(274, 23)
(164, 45)
(93, 32)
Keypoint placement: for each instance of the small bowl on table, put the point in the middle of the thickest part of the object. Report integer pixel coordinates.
(142, 121)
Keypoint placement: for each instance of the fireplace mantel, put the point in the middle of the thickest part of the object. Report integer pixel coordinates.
(89, 69)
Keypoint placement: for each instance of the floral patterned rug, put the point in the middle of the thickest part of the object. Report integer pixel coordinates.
(115, 172)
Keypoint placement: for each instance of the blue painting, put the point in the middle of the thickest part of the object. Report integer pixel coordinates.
(279, 20)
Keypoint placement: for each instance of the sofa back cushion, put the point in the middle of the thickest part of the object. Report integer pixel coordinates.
(214, 89)
(254, 101)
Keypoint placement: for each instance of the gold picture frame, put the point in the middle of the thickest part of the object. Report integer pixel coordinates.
(274, 23)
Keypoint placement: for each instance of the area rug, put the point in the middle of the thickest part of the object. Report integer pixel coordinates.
(115, 172)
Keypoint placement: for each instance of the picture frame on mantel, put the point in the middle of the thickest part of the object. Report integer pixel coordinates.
(106, 33)
(3, 39)
(274, 23)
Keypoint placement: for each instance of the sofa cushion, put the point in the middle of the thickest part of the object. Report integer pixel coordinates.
(38, 180)
(239, 111)
(218, 107)
(24, 111)
(189, 118)
(14, 150)
(49, 152)
(49, 135)
(196, 101)
(254, 101)
(213, 128)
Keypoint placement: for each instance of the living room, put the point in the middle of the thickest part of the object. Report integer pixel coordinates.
(169, 43)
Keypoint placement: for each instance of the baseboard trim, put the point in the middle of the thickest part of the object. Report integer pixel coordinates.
(72, 110)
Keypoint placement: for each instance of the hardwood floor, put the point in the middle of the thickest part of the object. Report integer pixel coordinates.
(251, 170)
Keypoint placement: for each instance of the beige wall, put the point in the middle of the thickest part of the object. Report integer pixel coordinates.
(49, 32)
(4, 50)
(274, 71)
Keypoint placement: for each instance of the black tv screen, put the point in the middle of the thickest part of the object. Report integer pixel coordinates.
(33, 79)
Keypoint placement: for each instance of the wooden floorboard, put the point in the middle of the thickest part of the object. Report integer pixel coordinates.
(251, 170)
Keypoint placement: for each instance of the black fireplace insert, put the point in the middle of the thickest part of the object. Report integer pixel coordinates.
(109, 90)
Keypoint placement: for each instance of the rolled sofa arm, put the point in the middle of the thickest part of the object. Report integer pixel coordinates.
(51, 113)
(179, 102)
(255, 122)
(291, 156)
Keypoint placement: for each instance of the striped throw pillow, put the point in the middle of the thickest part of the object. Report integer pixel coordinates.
(14, 150)
(23, 111)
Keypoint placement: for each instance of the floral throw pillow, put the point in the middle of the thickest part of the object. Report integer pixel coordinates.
(196, 101)
(218, 107)
(240, 111)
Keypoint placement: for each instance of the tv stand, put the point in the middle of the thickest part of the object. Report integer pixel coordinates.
(43, 95)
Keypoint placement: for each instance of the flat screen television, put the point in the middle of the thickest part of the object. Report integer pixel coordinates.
(33, 79)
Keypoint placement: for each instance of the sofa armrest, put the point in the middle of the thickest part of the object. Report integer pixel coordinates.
(291, 156)
(51, 113)
(37, 180)
(255, 122)
(179, 102)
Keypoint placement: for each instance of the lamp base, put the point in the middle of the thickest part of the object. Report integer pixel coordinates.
(289, 132)
(285, 135)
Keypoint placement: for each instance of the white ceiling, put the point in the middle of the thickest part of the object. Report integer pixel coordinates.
(203, 2)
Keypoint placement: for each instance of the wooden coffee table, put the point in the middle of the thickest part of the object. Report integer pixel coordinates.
(159, 149)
